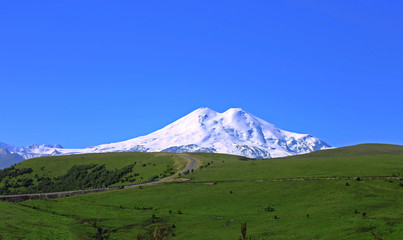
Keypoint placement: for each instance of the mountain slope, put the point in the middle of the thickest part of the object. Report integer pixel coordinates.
(234, 131)
(7, 159)
(204, 130)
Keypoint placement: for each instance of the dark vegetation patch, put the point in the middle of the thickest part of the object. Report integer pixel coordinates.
(77, 177)
(32, 179)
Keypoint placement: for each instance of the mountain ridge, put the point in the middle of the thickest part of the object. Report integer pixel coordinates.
(234, 131)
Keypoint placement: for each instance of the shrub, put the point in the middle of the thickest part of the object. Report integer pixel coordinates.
(243, 231)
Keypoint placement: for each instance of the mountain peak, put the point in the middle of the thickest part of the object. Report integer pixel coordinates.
(203, 110)
(235, 110)
(234, 131)
(206, 110)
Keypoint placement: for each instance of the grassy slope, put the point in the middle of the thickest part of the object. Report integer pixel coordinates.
(155, 164)
(360, 160)
(212, 212)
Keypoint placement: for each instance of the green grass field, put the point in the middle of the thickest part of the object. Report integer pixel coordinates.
(226, 191)
(58, 165)
(147, 166)
(360, 160)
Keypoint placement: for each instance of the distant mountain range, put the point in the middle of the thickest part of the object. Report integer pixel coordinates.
(11, 154)
(234, 131)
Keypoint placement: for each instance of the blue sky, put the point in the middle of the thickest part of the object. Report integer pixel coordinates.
(82, 73)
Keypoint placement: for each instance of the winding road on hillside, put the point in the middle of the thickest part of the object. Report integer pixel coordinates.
(23, 197)
(192, 165)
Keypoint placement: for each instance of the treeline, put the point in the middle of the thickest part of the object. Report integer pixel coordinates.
(12, 172)
(77, 177)
(82, 177)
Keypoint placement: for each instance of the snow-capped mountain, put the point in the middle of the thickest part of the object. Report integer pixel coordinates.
(204, 130)
(11, 154)
(234, 131)
(33, 150)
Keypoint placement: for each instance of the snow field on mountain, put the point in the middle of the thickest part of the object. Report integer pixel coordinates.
(234, 131)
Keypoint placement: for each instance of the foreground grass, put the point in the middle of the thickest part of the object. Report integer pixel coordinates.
(212, 212)
(212, 205)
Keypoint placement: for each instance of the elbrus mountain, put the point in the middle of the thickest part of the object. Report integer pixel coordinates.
(234, 131)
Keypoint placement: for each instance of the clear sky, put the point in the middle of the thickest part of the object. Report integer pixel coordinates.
(82, 73)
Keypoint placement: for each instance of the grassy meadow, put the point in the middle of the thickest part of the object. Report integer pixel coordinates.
(311, 196)
(46, 170)
(58, 165)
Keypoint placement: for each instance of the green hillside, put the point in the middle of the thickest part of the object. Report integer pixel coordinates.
(347, 193)
(61, 173)
(354, 161)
